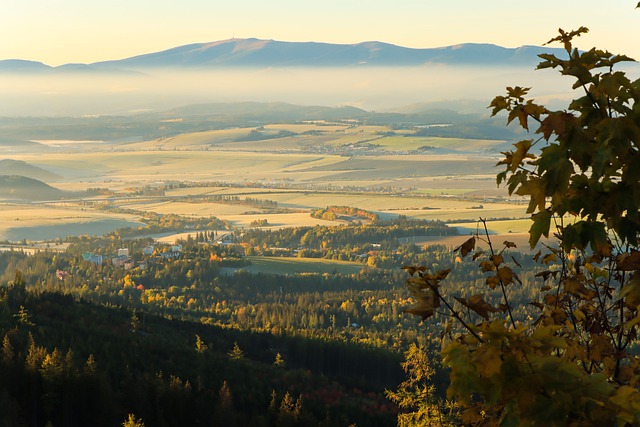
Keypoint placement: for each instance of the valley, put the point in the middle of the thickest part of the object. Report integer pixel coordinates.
(284, 239)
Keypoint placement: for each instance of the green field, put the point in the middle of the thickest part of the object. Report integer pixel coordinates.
(301, 265)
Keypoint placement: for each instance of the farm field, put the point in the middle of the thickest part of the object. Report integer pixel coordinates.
(113, 169)
(387, 206)
(19, 222)
(299, 166)
(304, 137)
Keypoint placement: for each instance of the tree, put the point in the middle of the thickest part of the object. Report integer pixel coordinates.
(132, 421)
(279, 361)
(236, 353)
(573, 364)
(416, 395)
(201, 347)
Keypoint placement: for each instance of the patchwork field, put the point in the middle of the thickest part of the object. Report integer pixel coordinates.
(318, 137)
(300, 167)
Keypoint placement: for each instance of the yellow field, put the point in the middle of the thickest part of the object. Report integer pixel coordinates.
(32, 222)
(279, 220)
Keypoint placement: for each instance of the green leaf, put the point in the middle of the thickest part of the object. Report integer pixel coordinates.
(540, 226)
(534, 188)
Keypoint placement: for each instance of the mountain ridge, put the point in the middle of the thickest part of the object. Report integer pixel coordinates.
(253, 52)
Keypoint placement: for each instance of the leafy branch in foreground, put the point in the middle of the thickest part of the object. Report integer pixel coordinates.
(575, 362)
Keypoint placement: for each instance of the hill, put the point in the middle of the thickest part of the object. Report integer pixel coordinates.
(16, 187)
(19, 167)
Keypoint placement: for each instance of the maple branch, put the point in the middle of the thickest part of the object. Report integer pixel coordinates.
(455, 314)
(504, 292)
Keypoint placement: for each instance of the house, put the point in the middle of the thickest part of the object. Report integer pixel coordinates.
(123, 252)
(170, 254)
(148, 250)
(176, 248)
(95, 259)
(129, 264)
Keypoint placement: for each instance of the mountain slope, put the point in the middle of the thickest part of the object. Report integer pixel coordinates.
(15, 187)
(18, 167)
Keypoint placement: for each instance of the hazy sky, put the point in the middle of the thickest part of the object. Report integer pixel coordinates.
(63, 31)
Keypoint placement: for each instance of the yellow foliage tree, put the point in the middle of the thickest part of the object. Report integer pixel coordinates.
(573, 364)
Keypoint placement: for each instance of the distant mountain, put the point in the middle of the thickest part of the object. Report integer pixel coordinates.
(18, 167)
(20, 66)
(23, 66)
(248, 53)
(268, 111)
(15, 187)
(270, 53)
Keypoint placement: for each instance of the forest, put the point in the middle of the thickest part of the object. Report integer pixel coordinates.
(185, 330)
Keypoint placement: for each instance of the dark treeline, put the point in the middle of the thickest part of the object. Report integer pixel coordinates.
(70, 363)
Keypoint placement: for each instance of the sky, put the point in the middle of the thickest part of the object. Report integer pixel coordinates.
(83, 31)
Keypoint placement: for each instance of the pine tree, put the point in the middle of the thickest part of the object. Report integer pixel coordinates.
(279, 361)
(236, 353)
(132, 421)
(416, 395)
(7, 350)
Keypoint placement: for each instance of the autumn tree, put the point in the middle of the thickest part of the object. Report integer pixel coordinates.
(132, 421)
(416, 395)
(576, 362)
(236, 352)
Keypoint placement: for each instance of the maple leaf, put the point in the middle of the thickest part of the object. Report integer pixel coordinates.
(541, 225)
(508, 244)
(493, 281)
(534, 188)
(489, 361)
(466, 247)
(506, 275)
(487, 266)
(478, 304)
(424, 306)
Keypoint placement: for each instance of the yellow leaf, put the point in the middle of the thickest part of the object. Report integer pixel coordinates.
(505, 275)
(534, 188)
(572, 285)
(579, 315)
(493, 281)
(422, 308)
(487, 266)
(497, 260)
(489, 361)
